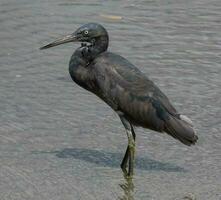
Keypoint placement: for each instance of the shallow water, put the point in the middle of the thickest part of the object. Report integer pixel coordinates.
(57, 141)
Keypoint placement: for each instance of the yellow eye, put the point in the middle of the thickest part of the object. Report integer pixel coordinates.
(86, 32)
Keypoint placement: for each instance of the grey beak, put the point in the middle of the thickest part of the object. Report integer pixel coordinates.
(65, 39)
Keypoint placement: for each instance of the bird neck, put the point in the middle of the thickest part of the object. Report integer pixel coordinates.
(101, 44)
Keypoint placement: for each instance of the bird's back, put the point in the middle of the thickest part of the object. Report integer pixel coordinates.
(125, 88)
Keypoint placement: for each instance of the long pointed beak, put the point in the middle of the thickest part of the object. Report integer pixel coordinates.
(65, 39)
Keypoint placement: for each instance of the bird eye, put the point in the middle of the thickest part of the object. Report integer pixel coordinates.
(85, 32)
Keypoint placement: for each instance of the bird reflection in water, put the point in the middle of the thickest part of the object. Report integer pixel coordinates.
(128, 189)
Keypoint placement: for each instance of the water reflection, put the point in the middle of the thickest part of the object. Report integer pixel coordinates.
(113, 159)
(128, 189)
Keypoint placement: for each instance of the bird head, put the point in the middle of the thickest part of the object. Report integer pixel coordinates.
(90, 33)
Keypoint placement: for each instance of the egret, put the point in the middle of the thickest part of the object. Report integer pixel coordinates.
(135, 98)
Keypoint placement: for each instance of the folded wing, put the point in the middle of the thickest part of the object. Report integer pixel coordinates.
(126, 89)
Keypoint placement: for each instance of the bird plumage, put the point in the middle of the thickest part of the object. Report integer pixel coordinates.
(136, 99)
(126, 89)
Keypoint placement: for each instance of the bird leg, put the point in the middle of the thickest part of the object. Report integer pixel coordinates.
(124, 161)
(129, 154)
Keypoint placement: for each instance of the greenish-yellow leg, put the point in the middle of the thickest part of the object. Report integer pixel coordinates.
(124, 161)
(129, 156)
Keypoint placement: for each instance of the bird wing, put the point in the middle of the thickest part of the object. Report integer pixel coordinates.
(126, 89)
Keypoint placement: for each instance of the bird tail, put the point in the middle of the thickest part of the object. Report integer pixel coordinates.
(181, 128)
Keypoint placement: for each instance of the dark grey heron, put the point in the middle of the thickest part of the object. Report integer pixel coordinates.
(135, 98)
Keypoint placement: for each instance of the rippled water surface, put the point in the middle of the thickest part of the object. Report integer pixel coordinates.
(57, 141)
